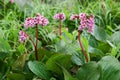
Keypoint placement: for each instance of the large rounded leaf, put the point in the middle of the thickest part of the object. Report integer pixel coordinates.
(89, 71)
(115, 38)
(67, 75)
(110, 68)
(39, 69)
(100, 34)
(62, 59)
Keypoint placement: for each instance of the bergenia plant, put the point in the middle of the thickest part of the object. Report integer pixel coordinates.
(74, 16)
(23, 36)
(61, 17)
(30, 23)
(86, 22)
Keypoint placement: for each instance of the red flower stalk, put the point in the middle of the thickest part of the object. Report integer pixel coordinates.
(80, 43)
(61, 17)
(36, 52)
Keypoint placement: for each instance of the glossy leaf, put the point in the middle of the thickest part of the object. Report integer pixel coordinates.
(67, 75)
(115, 38)
(62, 59)
(100, 34)
(89, 71)
(110, 68)
(39, 69)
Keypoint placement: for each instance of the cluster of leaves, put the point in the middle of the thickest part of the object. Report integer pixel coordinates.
(60, 59)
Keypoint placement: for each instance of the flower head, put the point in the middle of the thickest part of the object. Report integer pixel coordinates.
(82, 16)
(60, 16)
(29, 22)
(86, 22)
(37, 20)
(23, 36)
(41, 20)
(74, 16)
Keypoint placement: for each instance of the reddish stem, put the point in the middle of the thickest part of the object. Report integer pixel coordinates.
(60, 27)
(80, 43)
(36, 52)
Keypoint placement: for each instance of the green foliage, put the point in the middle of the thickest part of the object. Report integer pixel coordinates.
(61, 59)
(100, 34)
(110, 68)
(89, 71)
(15, 76)
(67, 75)
(4, 49)
(106, 69)
(20, 62)
(39, 69)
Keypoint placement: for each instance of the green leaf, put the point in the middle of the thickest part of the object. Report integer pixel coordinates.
(67, 75)
(3, 67)
(89, 71)
(62, 59)
(52, 78)
(3, 55)
(60, 46)
(45, 52)
(42, 52)
(95, 51)
(21, 48)
(39, 69)
(78, 58)
(85, 43)
(1, 33)
(110, 68)
(104, 47)
(15, 76)
(4, 49)
(20, 62)
(4, 46)
(100, 34)
(1, 76)
(66, 36)
(115, 38)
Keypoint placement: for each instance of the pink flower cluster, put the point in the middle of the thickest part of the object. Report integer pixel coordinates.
(23, 36)
(37, 20)
(85, 21)
(74, 16)
(60, 16)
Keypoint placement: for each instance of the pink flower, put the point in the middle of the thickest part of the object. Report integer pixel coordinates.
(44, 21)
(73, 17)
(38, 20)
(82, 16)
(11, 1)
(86, 22)
(60, 16)
(90, 23)
(23, 36)
(29, 22)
